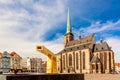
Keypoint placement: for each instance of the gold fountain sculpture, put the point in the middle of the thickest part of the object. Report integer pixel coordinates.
(51, 59)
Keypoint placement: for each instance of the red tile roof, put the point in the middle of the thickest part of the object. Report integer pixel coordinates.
(117, 64)
(0, 54)
(13, 53)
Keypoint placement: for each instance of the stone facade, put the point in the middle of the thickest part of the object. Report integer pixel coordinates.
(84, 55)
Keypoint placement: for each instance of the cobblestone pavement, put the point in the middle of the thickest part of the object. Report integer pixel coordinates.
(102, 76)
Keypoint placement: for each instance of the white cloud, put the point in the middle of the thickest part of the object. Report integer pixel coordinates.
(97, 27)
(6, 1)
(23, 27)
(114, 43)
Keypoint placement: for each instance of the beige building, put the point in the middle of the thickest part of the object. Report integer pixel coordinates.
(15, 60)
(36, 65)
(84, 55)
(44, 64)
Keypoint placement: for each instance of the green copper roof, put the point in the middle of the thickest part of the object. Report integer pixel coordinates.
(68, 23)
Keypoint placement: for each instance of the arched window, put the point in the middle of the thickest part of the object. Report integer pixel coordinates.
(101, 57)
(110, 59)
(70, 60)
(63, 61)
(76, 60)
(80, 60)
(83, 60)
(105, 60)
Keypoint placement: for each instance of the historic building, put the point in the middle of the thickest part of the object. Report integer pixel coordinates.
(84, 55)
(15, 60)
(5, 62)
(26, 64)
(0, 62)
(36, 65)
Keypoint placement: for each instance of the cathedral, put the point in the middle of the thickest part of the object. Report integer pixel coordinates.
(84, 55)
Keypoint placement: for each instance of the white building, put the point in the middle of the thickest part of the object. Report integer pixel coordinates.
(26, 64)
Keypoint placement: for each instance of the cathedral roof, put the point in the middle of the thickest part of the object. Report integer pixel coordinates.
(74, 48)
(82, 41)
(101, 46)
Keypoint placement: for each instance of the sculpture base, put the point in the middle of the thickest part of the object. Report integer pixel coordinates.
(43, 77)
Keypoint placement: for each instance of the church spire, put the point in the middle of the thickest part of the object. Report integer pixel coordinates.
(69, 30)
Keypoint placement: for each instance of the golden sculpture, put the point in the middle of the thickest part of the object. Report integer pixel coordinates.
(51, 59)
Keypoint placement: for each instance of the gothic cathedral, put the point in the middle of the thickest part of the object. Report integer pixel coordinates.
(84, 55)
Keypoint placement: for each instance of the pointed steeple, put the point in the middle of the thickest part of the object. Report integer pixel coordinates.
(69, 30)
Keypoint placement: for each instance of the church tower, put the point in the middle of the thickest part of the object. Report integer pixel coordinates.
(68, 36)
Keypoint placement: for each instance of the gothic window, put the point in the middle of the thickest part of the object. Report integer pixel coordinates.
(76, 60)
(64, 61)
(101, 57)
(110, 59)
(96, 66)
(83, 60)
(70, 60)
(80, 60)
(93, 66)
(105, 60)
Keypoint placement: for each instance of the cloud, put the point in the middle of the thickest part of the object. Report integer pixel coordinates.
(114, 43)
(107, 30)
(24, 23)
(97, 27)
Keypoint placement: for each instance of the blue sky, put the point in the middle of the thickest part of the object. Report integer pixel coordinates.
(27, 23)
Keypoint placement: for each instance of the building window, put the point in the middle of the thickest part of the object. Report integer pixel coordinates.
(83, 60)
(105, 60)
(110, 59)
(70, 60)
(76, 60)
(93, 66)
(96, 66)
(101, 57)
(63, 61)
(80, 60)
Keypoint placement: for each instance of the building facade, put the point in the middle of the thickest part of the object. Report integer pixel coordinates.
(44, 65)
(84, 55)
(36, 65)
(15, 60)
(5, 62)
(26, 64)
(0, 62)
(117, 67)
